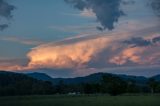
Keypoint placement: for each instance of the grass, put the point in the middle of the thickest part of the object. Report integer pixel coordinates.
(81, 100)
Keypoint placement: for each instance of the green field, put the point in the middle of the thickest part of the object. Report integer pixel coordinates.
(83, 100)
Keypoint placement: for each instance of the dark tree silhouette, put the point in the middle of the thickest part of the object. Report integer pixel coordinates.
(114, 85)
(152, 84)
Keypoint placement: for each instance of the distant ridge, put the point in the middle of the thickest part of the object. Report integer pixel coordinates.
(93, 78)
(156, 77)
(40, 76)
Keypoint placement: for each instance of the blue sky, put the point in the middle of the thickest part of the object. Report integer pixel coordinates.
(62, 32)
(36, 20)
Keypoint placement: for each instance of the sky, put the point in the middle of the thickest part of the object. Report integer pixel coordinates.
(70, 38)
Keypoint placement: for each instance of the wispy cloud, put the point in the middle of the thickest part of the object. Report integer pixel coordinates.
(22, 40)
(85, 28)
(13, 64)
(86, 13)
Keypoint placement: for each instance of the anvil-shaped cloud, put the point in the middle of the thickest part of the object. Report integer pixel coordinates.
(99, 51)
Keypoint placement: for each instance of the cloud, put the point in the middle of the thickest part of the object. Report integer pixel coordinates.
(13, 64)
(21, 61)
(138, 55)
(22, 40)
(74, 55)
(94, 52)
(3, 26)
(128, 55)
(85, 28)
(5, 12)
(87, 13)
(155, 4)
(107, 11)
(156, 39)
(138, 41)
(141, 52)
(71, 53)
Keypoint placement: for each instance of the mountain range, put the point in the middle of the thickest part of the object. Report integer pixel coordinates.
(12, 83)
(93, 78)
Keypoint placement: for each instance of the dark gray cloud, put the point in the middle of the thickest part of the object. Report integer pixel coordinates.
(156, 39)
(3, 26)
(155, 4)
(138, 41)
(107, 11)
(5, 12)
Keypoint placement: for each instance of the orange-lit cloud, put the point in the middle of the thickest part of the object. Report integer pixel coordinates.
(13, 64)
(139, 55)
(83, 52)
(129, 54)
(72, 55)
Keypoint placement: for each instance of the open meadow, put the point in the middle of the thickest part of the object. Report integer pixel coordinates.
(81, 100)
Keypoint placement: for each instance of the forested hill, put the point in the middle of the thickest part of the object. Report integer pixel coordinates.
(20, 84)
(41, 84)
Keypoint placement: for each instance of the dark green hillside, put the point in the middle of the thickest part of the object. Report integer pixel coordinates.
(20, 84)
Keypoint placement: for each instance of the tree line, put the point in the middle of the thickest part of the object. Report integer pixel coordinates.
(112, 85)
(19, 84)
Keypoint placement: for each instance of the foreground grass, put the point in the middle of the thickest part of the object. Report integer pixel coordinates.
(83, 100)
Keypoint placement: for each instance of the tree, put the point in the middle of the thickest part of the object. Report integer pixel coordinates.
(158, 88)
(113, 85)
(61, 87)
(152, 84)
(132, 87)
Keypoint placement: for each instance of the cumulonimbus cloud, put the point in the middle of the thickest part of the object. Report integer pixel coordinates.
(80, 54)
(100, 51)
(72, 55)
(68, 55)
